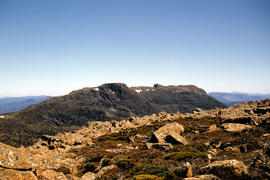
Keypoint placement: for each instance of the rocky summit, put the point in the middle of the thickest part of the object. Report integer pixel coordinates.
(107, 102)
(220, 143)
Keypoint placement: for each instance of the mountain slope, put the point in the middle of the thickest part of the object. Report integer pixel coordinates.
(107, 102)
(13, 104)
(230, 99)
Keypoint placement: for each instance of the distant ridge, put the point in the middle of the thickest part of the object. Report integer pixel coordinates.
(13, 104)
(113, 101)
(233, 98)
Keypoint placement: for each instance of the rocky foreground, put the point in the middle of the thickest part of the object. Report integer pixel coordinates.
(229, 143)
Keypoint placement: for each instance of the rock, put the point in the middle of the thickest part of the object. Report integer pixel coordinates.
(212, 128)
(51, 175)
(262, 111)
(198, 110)
(138, 138)
(160, 146)
(189, 170)
(211, 154)
(72, 177)
(89, 176)
(241, 148)
(11, 174)
(226, 168)
(169, 133)
(104, 170)
(13, 158)
(28, 175)
(234, 127)
(203, 177)
(262, 161)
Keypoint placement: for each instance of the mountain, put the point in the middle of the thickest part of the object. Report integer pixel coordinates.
(177, 98)
(114, 101)
(216, 144)
(12, 104)
(230, 99)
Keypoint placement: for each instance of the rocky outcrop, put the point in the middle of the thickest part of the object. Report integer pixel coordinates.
(245, 113)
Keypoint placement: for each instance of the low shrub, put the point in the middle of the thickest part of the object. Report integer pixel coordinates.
(185, 156)
(147, 177)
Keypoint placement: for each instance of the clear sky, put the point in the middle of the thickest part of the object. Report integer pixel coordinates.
(52, 47)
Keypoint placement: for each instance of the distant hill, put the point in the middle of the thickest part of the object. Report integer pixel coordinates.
(12, 104)
(233, 98)
(114, 101)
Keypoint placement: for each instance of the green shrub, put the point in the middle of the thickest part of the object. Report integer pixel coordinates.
(94, 157)
(147, 177)
(185, 155)
(124, 164)
(159, 170)
(180, 172)
(118, 137)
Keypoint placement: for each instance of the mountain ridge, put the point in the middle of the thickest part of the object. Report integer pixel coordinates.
(232, 98)
(13, 104)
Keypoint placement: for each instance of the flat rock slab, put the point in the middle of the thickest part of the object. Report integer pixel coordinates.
(235, 127)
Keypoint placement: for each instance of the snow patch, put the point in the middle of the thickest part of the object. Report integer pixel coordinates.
(112, 91)
(147, 89)
(2, 117)
(96, 89)
(138, 90)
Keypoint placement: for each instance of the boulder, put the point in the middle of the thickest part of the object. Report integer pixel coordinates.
(13, 158)
(89, 176)
(51, 175)
(226, 168)
(203, 177)
(169, 133)
(104, 170)
(234, 127)
(28, 175)
(212, 128)
(72, 177)
(11, 174)
(189, 170)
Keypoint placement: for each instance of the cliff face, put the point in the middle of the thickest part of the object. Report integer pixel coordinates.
(107, 102)
(221, 143)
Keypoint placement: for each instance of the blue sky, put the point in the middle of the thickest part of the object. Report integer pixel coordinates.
(55, 46)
